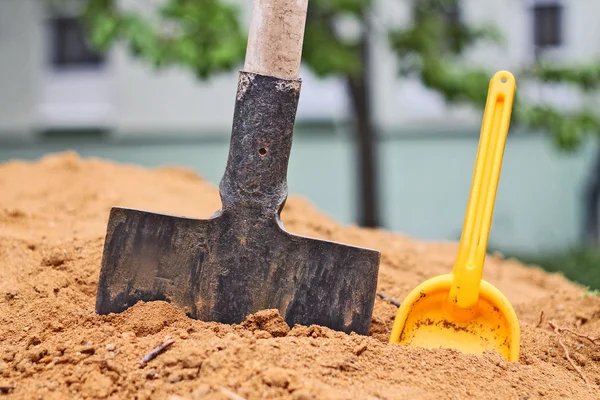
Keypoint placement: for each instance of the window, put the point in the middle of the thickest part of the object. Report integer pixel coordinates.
(547, 25)
(70, 46)
(451, 12)
(454, 28)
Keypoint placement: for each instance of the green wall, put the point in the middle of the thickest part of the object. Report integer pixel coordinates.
(425, 180)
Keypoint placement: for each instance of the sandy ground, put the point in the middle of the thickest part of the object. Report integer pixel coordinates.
(53, 216)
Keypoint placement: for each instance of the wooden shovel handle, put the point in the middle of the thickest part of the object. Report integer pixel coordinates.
(275, 38)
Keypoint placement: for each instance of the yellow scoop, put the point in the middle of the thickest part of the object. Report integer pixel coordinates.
(460, 310)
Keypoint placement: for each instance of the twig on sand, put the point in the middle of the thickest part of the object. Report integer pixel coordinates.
(156, 351)
(594, 341)
(541, 319)
(230, 394)
(4, 389)
(558, 331)
(388, 298)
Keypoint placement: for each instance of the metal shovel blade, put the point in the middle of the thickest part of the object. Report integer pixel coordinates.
(241, 260)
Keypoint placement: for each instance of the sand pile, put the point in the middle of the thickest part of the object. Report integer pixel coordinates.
(53, 346)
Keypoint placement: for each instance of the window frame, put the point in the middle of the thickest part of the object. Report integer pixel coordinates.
(557, 37)
(85, 58)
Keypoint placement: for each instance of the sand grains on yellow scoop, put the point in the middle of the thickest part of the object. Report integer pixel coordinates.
(438, 323)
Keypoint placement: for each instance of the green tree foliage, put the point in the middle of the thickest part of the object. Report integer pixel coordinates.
(568, 129)
(431, 47)
(206, 37)
(202, 35)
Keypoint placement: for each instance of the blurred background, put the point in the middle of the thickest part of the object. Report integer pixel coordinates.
(389, 116)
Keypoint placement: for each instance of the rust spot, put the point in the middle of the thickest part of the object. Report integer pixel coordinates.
(496, 309)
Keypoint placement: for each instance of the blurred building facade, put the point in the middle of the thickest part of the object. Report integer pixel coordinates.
(49, 79)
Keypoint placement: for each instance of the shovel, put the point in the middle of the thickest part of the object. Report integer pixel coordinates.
(460, 310)
(241, 260)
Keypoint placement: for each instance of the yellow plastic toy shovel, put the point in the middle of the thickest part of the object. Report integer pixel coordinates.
(460, 310)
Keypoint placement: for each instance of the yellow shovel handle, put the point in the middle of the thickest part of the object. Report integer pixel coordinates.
(468, 268)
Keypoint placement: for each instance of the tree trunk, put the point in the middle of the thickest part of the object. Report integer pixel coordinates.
(366, 149)
(591, 197)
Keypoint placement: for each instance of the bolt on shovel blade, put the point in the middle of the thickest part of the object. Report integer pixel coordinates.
(222, 269)
(428, 319)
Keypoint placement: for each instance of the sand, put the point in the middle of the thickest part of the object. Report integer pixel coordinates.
(53, 215)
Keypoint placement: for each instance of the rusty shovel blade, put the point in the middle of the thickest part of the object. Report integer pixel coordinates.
(241, 260)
